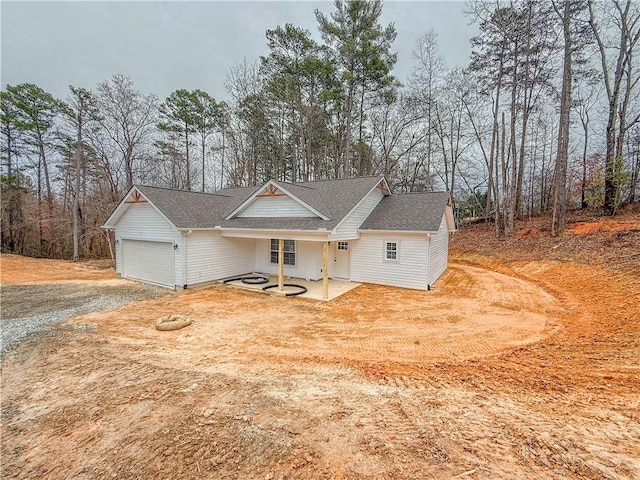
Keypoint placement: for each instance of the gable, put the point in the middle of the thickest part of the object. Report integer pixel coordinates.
(355, 218)
(134, 198)
(273, 201)
(275, 207)
(143, 221)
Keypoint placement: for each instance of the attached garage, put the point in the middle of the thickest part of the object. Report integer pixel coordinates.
(148, 261)
(148, 247)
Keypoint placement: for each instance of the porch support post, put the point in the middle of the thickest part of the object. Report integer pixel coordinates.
(325, 270)
(280, 264)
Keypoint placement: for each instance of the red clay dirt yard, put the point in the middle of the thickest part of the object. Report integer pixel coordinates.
(517, 365)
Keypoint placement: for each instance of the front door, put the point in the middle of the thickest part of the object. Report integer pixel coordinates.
(341, 261)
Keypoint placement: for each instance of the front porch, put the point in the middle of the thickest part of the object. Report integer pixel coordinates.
(314, 291)
(296, 255)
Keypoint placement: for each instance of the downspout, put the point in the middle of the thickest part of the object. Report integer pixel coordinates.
(428, 261)
(183, 257)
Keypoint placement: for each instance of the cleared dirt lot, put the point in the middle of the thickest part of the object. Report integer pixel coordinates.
(510, 368)
(17, 270)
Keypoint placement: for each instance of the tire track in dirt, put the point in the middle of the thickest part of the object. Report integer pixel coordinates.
(262, 387)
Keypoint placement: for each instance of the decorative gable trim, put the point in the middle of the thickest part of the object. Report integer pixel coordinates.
(133, 196)
(136, 197)
(273, 189)
(384, 186)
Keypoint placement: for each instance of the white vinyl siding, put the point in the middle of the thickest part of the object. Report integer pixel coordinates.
(141, 221)
(438, 252)
(308, 260)
(351, 223)
(276, 206)
(148, 261)
(369, 264)
(212, 257)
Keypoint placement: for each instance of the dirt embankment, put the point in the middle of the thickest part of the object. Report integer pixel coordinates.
(518, 365)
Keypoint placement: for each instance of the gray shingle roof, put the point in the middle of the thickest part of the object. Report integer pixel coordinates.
(333, 198)
(341, 196)
(412, 212)
(191, 209)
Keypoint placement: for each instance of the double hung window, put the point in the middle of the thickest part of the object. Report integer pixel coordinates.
(289, 251)
(391, 251)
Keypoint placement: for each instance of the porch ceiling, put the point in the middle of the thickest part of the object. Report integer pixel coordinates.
(305, 235)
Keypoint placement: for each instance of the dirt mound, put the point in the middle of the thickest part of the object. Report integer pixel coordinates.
(585, 228)
(589, 239)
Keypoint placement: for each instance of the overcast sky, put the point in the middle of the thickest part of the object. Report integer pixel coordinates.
(164, 46)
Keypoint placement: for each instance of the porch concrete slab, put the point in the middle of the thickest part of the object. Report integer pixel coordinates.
(314, 288)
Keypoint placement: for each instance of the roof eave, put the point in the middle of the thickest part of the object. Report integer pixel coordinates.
(267, 233)
(396, 231)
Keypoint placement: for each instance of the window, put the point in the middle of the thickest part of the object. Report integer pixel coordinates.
(343, 245)
(289, 251)
(391, 251)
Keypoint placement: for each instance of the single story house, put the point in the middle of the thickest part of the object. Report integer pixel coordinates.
(352, 229)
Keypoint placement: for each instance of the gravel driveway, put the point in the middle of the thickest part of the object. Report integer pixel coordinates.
(30, 309)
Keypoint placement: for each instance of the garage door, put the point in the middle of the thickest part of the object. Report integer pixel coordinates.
(148, 261)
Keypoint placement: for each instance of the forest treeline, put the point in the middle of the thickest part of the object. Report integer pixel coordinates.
(545, 117)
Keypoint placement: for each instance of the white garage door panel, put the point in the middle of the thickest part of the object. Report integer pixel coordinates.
(149, 261)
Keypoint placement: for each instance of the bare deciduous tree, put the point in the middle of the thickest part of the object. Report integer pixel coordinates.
(128, 122)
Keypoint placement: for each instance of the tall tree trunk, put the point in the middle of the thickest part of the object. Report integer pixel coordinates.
(511, 200)
(526, 109)
(583, 185)
(45, 168)
(500, 225)
(559, 221)
(491, 183)
(9, 148)
(204, 147)
(222, 153)
(622, 116)
(346, 151)
(628, 38)
(494, 142)
(128, 166)
(542, 170)
(76, 193)
(187, 159)
(635, 175)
